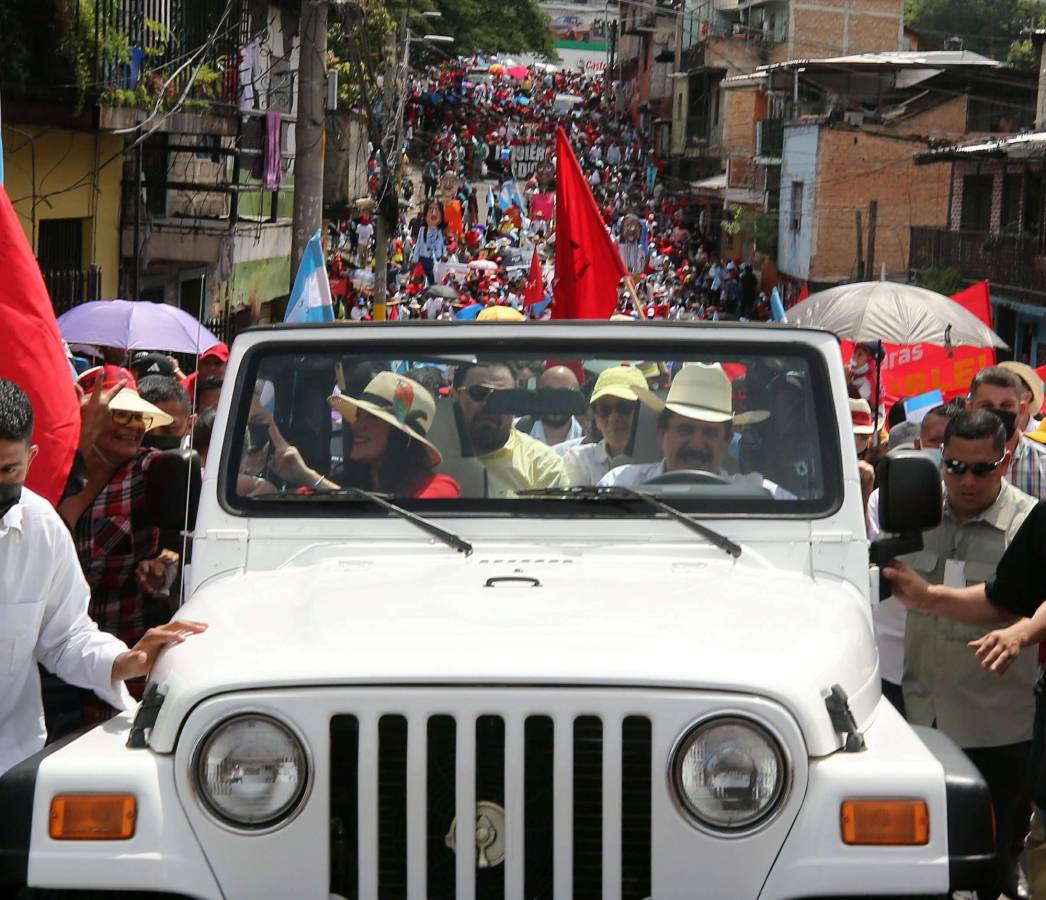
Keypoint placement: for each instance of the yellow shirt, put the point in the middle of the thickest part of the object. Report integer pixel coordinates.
(522, 464)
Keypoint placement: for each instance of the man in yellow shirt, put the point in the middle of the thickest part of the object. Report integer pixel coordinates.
(513, 461)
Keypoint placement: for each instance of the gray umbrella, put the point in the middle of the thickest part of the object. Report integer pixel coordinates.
(870, 311)
(442, 290)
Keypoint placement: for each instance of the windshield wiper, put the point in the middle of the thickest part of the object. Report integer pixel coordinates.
(447, 537)
(618, 494)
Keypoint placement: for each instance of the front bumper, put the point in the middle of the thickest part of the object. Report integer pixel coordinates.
(179, 849)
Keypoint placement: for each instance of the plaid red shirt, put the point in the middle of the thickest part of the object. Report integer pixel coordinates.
(110, 542)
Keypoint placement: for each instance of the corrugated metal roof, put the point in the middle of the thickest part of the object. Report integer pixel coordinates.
(895, 59)
(1017, 146)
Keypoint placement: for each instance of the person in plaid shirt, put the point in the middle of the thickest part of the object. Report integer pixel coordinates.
(1000, 391)
(119, 554)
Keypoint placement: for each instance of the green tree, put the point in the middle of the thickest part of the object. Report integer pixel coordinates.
(985, 26)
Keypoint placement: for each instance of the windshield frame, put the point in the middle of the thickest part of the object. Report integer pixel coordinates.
(383, 341)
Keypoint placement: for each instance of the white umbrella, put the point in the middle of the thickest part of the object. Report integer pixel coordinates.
(870, 311)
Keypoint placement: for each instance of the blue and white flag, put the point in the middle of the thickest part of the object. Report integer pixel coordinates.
(311, 295)
(490, 198)
(510, 194)
(777, 310)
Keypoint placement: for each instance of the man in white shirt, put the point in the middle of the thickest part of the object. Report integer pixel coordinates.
(695, 429)
(43, 602)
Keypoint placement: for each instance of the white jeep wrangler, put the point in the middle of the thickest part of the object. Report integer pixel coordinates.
(667, 690)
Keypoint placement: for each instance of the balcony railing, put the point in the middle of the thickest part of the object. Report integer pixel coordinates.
(156, 47)
(1014, 262)
(71, 287)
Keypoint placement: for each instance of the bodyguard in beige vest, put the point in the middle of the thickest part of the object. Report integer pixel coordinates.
(944, 684)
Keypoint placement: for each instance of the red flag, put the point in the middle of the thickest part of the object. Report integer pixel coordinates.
(804, 293)
(34, 359)
(535, 291)
(588, 264)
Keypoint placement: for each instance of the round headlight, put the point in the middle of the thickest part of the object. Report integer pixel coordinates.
(252, 771)
(729, 773)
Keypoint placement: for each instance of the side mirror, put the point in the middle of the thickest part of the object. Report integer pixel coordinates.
(910, 502)
(909, 493)
(172, 490)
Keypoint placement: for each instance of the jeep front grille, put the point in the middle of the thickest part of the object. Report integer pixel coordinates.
(556, 807)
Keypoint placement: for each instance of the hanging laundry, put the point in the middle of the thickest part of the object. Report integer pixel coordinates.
(273, 172)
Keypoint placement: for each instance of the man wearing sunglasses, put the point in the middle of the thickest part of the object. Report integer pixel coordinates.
(944, 685)
(513, 461)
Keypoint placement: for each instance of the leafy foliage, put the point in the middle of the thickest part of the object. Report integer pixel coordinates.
(985, 26)
(759, 225)
(944, 281)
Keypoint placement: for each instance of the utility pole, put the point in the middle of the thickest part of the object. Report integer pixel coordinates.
(390, 157)
(308, 128)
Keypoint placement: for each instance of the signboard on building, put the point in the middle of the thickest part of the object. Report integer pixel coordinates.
(579, 33)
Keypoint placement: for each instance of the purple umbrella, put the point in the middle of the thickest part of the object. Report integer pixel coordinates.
(135, 325)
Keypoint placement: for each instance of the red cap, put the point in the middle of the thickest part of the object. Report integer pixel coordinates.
(218, 351)
(110, 375)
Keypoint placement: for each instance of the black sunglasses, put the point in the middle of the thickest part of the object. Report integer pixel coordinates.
(479, 393)
(605, 409)
(980, 469)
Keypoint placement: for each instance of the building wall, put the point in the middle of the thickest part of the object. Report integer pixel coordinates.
(854, 168)
(798, 164)
(945, 122)
(45, 162)
(821, 28)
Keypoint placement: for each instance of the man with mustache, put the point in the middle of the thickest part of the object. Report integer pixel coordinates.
(695, 427)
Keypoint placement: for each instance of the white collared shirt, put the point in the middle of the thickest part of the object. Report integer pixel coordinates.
(586, 464)
(640, 473)
(43, 619)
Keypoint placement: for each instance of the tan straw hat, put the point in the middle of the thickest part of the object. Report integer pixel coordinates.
(701, 392)
(618, 381)
(398, 400)
(127, 400)
(1031, 378)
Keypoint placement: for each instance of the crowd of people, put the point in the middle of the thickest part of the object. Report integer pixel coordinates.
(458, 247)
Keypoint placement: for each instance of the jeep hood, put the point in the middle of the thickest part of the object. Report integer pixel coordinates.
(700, 623)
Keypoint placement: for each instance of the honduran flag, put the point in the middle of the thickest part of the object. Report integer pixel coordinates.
(510, 195)
(311, 295)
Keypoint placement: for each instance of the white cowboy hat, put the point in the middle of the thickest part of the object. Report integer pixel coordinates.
(701, 392)
(861, 414)
(398, 400)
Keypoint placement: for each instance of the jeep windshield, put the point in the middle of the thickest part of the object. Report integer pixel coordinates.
(724, 428)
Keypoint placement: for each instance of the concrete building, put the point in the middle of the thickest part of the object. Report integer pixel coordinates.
(158, 187)
(849, 190)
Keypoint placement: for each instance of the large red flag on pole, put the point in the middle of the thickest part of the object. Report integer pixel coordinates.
(34, 358)
(589, 267)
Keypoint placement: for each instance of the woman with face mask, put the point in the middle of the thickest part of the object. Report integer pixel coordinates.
(120, 553)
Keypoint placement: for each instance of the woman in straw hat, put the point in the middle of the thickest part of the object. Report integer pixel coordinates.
(118, 551)
(390, 451)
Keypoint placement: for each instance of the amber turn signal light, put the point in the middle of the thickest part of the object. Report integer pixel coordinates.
(885, 822)
(92, 817)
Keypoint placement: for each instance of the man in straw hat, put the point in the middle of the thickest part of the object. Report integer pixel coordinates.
(695, 428)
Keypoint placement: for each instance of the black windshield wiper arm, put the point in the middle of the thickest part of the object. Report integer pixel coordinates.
(624, 493)
(447, 537)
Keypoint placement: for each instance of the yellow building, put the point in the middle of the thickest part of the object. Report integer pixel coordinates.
(65, 186)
